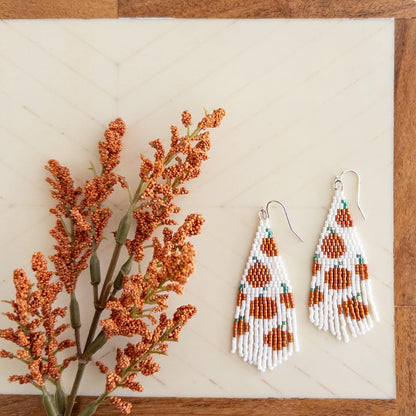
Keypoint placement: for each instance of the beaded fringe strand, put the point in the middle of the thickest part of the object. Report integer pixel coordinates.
(341, 299)
(264, 331)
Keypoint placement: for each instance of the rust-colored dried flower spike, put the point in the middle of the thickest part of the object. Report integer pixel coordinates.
(186, 118)
(122, 405)
(110, 148)
(36, 335)
(212, 120)
(133, 302)
(81, 219)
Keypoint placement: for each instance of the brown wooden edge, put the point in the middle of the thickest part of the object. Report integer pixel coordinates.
(268, 8)
(38, 9)
(404, 185)
(20, 405)
(405, 214)
(49, 9)
(405, 163)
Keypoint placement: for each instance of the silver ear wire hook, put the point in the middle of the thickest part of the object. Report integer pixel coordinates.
(264, 214)
(338, 180)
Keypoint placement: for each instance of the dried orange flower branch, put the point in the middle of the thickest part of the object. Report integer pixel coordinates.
(132, 304)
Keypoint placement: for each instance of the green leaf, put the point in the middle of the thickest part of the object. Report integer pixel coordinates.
(74, 312)
(95, 270)
(49, 405)
(123, 228)
(124, 271)
(96, 344)
(90, 409)
(60, 399)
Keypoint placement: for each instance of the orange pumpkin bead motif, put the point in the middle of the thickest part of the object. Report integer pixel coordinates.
(264, 329)
(340, 297)
(343, 217)
(333, 246)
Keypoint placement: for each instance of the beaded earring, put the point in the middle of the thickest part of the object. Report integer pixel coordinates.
(341, 299)
(264, 329)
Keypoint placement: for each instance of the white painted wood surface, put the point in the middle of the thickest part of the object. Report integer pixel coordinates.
(305, 99)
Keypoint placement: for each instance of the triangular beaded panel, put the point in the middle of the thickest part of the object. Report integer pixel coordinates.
(264, 331)
(341, 298)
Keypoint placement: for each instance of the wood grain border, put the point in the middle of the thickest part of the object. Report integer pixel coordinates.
(38, 9)
(404, 12)
(51, 9)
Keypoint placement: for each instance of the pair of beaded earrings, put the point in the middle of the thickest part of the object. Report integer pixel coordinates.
(265, 326)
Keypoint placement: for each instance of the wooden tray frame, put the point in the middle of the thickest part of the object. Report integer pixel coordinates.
(404, 12)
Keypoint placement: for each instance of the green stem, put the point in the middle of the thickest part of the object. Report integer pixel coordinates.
(92, 407)
(75, 386)
(138, 192)
(100, 306)
(75, 320)
(103, 299)
(60, 398)
(195, 133)
(93, 169)
(95, 294)
(48, 403)
(65, 228)
(78, 341)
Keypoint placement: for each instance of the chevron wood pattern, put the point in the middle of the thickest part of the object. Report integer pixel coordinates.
(304, 101)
